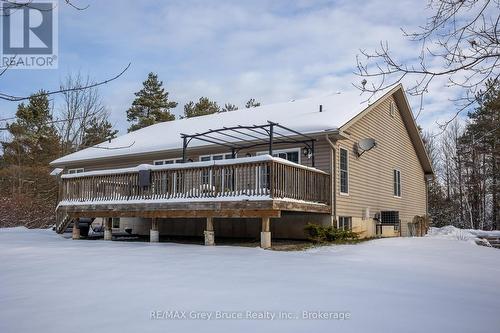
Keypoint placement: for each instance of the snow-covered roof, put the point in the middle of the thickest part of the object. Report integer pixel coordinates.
(300, 115)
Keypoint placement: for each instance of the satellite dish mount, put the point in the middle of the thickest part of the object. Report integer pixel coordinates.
(365, 145)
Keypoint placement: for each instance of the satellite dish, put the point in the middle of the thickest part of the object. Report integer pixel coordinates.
(365, 145)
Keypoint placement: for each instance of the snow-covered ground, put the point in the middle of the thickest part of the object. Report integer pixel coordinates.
(429, 284)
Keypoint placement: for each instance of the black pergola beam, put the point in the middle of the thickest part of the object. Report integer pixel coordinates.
(291, 130)
(224, 141)
(274, 137)
(250, 135)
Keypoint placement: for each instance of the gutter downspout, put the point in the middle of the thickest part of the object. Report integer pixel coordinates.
(333, 179)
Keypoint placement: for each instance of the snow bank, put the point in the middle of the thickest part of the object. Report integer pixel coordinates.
(469, 235)
(451, 232)
(13, 230)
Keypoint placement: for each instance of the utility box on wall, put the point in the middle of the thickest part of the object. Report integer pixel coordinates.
(144, 178)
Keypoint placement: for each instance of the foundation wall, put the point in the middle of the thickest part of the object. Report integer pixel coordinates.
(290, 226)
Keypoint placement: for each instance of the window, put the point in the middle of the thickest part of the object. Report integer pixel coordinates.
(389, 217)
(292, 155)
(392, 109)
(168, 161)
(164, 178)
(115, 223)
(344, 171)
(345, 222)
(215, 157)
(397, 183)
(207, 178)
(78, 170)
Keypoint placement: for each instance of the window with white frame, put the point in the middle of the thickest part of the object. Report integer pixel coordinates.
(115, 224)
(397, 182)
(292, 154)
(215, 157)
(207, 178)
(165, 183)
(345, 222)
(77, 170)
(344, 170)
(167, 161)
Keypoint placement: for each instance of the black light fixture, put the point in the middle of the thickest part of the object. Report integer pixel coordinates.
(306, 151)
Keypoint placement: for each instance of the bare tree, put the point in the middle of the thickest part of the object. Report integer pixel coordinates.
(459, 42)
(81, 106)
(8, 96)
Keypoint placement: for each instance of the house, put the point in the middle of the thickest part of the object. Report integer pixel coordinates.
(332, 160)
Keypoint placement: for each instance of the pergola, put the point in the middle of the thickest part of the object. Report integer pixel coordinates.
(241, 137)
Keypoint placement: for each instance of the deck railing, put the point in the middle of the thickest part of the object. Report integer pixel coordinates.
(262, 176)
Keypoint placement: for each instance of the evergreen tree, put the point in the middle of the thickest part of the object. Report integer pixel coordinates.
(97, 132)
(203, 107)
(34, 139)
(229, 107)
(151, 105)
(34, 142)
(252, 103)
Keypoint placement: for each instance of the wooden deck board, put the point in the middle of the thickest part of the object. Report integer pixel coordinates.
(271, 208)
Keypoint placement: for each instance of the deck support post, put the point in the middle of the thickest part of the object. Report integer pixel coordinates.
(108, 233)
(209, 232)
(76, 229)
(154, 233)
(265, 235)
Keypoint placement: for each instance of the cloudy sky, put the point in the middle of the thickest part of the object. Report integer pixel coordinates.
(230, 51)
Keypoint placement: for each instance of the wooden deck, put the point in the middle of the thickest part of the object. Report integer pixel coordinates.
(246, 187)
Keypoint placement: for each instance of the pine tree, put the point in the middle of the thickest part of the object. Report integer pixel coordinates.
(34, 137)
(151, 105)
(97, 132)
(252, 103)
(34, 142)
(229, 107)
(203, 107)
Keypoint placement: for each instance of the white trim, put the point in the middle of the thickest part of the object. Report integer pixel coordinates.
(75, 170)
(285, 150)
(168, 160)
(340, 173)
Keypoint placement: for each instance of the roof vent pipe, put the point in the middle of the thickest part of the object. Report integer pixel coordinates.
(321, 108)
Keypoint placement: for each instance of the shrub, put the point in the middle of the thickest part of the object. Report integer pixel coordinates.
(320, 234)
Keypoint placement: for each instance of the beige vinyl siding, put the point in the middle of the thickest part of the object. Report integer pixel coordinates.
(371, 175)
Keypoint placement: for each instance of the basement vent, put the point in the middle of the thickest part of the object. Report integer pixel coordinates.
(392, 109)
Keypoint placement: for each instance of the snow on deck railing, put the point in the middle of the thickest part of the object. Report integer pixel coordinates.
(259, 176)
(188, 165)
